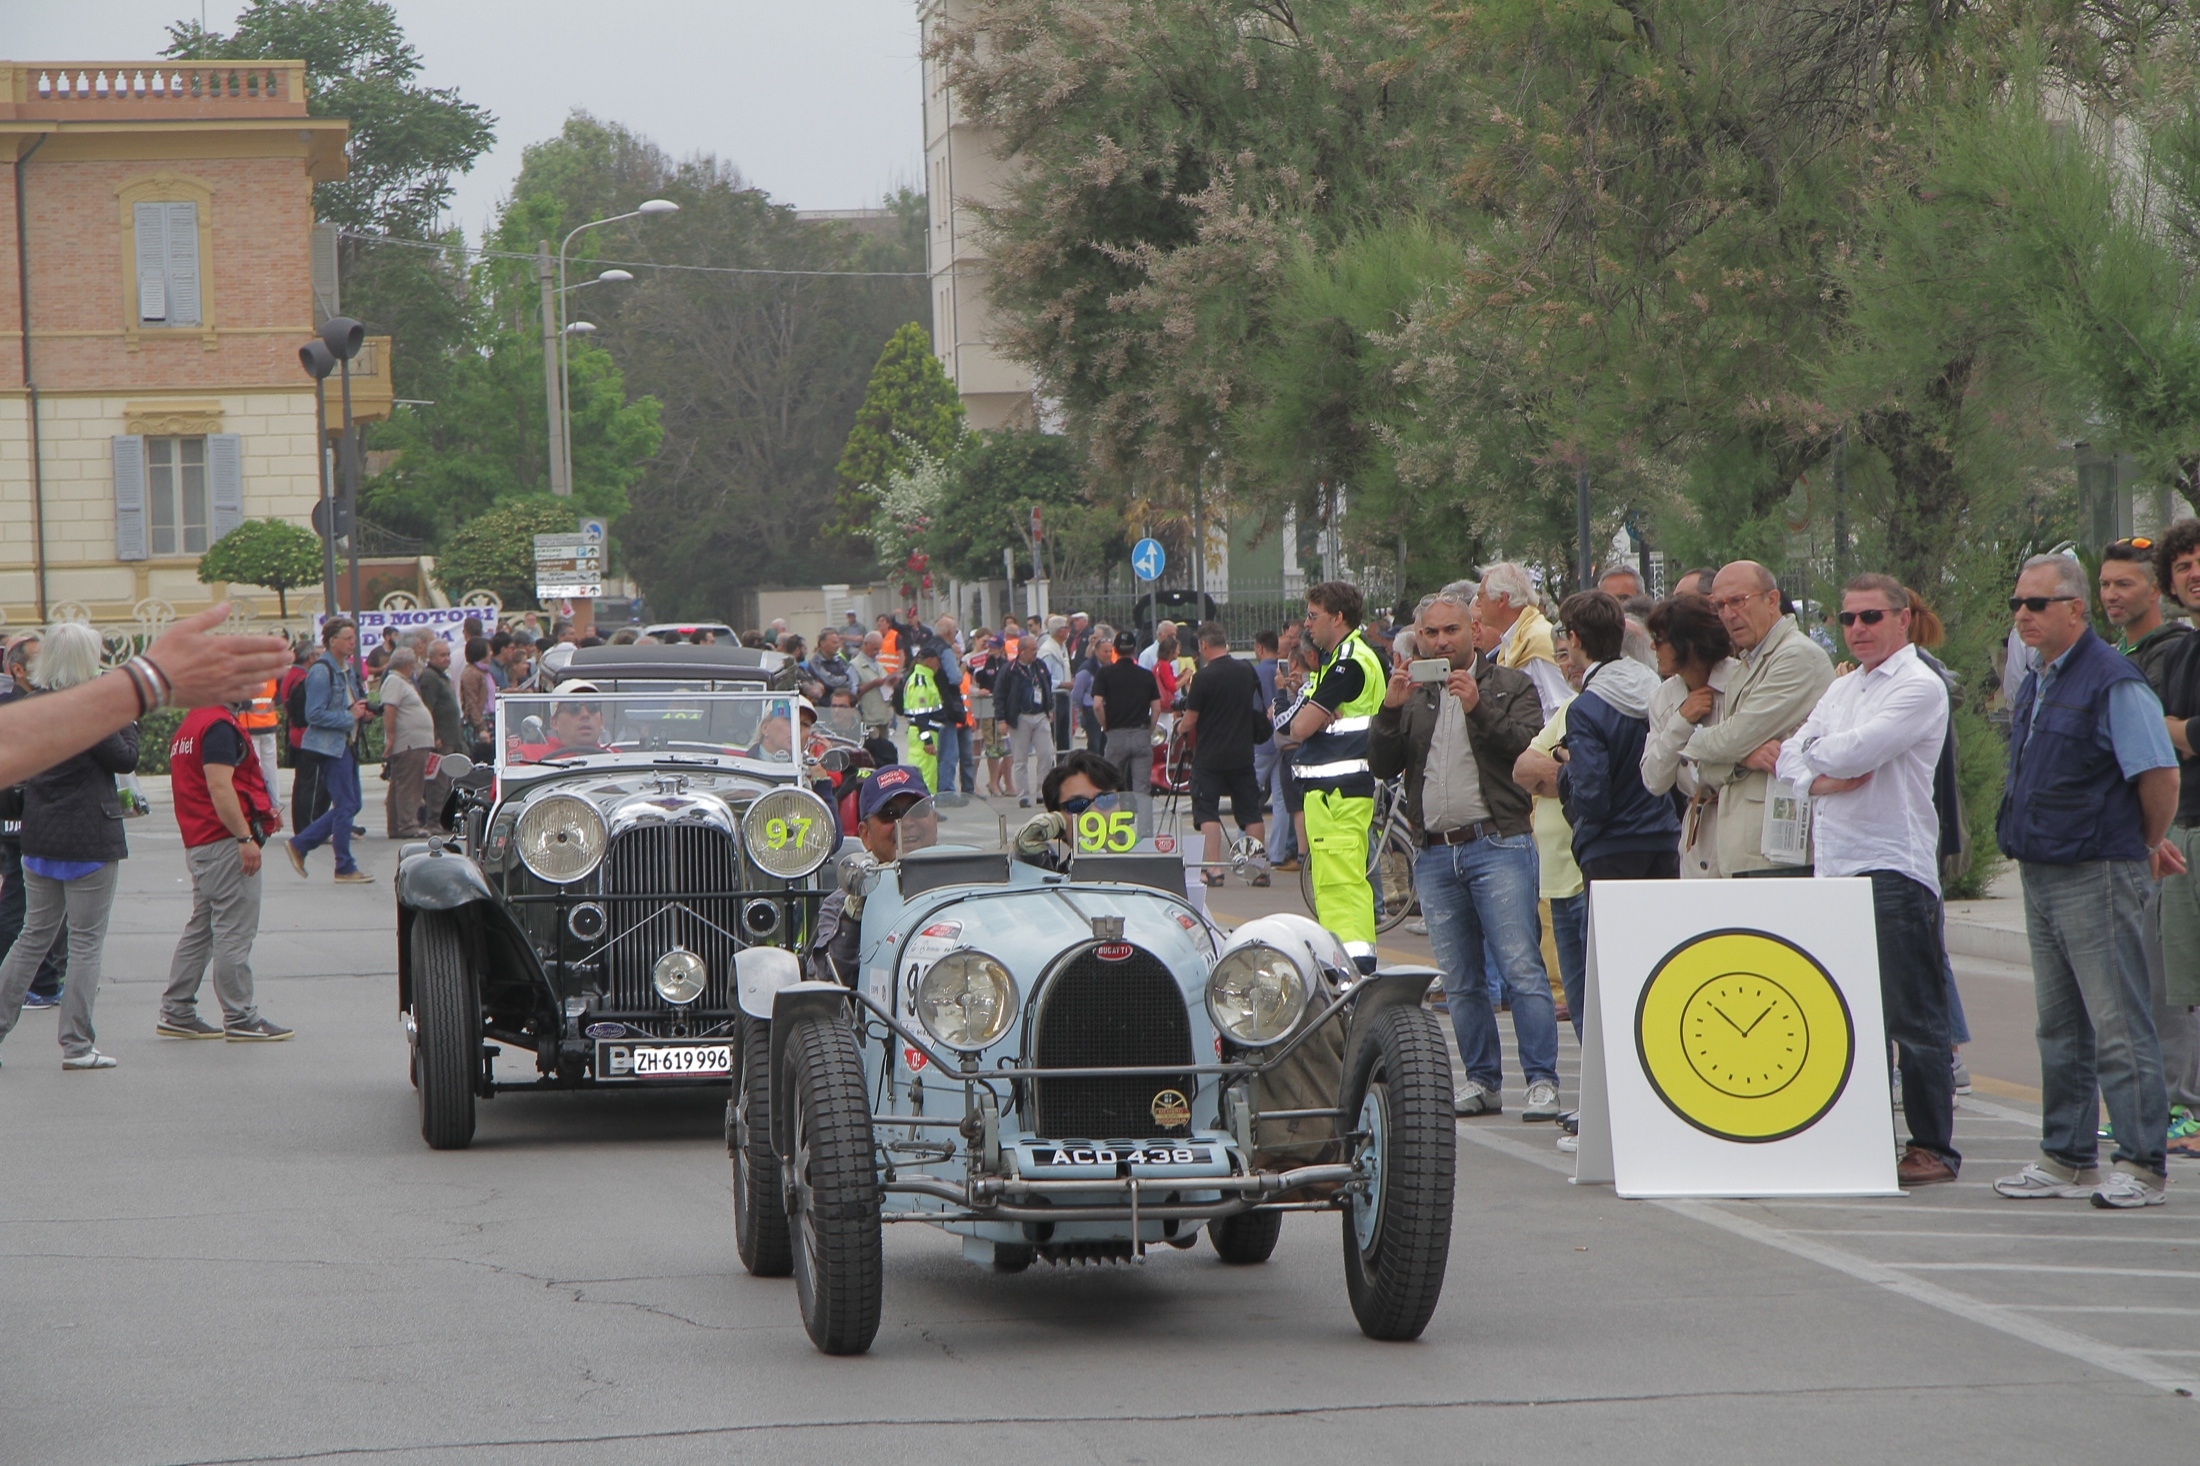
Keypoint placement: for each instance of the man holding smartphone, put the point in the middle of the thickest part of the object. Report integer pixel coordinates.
(1454, 724)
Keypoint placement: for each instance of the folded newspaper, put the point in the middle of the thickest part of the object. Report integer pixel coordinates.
(1787, 823)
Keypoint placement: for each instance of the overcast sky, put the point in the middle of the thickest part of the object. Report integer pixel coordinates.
(816, 101)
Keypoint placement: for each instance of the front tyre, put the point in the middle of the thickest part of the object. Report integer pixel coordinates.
(1397, 1223)
(1246, 1238)
(832, 1187)
(759, 1204)
(446, 1031)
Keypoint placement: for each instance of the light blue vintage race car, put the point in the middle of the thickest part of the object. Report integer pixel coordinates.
(1057, 1056)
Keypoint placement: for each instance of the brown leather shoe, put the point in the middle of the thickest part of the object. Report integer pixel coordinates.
(1920, 1167)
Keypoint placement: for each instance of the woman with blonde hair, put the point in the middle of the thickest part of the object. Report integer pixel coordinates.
(72, 849)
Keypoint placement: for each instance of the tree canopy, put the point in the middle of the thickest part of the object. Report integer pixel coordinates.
(495, 550)
(908, 406)
(272, 552)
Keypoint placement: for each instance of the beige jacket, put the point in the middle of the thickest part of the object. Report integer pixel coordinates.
(1767, 697)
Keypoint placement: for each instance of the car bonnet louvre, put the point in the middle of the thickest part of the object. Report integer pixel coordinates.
(1112, 1011)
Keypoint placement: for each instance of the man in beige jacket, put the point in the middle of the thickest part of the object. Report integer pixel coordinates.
(1782, 675)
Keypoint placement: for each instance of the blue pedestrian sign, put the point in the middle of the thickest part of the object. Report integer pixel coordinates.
(1149, 559)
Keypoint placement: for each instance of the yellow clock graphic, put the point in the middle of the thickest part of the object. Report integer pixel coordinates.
(1745, 1035)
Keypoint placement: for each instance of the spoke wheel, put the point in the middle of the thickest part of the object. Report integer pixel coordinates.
(1397, 1219)
(1390, 872)
(446, 1031)
(1246, 1238)
(759, 1203)
(832, 1186)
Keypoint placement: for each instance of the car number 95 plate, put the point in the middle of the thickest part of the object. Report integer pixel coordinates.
(664, 1060)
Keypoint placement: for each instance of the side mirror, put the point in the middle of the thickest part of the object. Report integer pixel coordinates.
(836, 760)
(858, 873)
(530, 729)
(453, 766)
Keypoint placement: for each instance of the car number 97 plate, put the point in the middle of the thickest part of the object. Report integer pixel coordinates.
(664, 1061)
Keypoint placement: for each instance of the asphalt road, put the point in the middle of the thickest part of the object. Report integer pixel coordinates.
(244, 1253)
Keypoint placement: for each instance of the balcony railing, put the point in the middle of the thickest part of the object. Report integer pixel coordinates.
(96, 90)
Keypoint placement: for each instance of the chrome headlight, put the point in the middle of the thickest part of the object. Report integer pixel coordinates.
(1256, 995)
(561, 837)
(966, 999)
(788, 832)
(680, 976)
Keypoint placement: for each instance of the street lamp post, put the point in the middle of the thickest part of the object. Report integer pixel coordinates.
(562, 451)
(319, 361)
(343, 337)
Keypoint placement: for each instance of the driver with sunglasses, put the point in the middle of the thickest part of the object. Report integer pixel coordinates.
(1070, 788)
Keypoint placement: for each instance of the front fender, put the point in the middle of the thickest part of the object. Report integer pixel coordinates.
(1392, 987)
(430, 881)
(760, 974)
(791, 1004)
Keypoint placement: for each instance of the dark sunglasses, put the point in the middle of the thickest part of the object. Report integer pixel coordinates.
(1078, 803)
(2036, 604)
(1870, 618)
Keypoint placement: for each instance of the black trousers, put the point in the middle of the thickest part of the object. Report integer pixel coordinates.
(308, 794)
(1913, 994)
(1635, 865)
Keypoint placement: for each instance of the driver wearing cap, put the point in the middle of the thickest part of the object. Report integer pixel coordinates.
(883, 803)
(576, 726)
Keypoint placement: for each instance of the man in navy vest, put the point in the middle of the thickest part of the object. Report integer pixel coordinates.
(2086, 812)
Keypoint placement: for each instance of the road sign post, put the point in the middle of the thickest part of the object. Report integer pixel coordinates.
(568, 567)
(1148, 560)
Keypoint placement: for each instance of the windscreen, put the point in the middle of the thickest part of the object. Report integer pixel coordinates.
(967, 826)
(577, 726)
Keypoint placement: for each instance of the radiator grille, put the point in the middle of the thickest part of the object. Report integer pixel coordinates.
(661, 859)
(1098, 1014)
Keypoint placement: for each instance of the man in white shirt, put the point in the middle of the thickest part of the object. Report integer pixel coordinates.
(1867, 753)
(1151, 656)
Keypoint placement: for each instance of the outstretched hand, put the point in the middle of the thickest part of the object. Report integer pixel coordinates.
(203, 668)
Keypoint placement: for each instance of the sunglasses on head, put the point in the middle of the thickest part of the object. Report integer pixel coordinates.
(2136, 542)
(1871, 617)
(2035, 604)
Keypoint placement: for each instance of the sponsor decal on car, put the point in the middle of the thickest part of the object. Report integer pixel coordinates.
(1171, 1110)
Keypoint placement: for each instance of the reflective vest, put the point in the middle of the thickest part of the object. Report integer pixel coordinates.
(889, 653)
(1336, 757)
(920, 698)
(261, 716)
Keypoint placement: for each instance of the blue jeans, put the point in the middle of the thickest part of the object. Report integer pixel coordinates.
(950, 754)
(2096, 1029)
(340, 777)
(1283, 834)
(1483, 895)
(1570, 934)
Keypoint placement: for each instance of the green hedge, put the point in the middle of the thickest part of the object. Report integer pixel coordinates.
(155, 730)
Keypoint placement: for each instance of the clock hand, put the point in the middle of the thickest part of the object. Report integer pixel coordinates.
(1757, 1020)
(1730, 1023)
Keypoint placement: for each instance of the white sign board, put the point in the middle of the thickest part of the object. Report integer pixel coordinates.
(448, 623)
(568, 567)
(1733, 1043)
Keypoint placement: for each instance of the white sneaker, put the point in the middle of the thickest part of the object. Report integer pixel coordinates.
(1473, 1099)
(89, 1059)
(1542, 1101)
(2122, 1190)
(1418, 927)
(1569, 1143)
(2037, 1180)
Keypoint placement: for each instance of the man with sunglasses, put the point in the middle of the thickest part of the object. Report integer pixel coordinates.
(2092, 786)
(1782, 676)
(1867, 754)
(884, 800)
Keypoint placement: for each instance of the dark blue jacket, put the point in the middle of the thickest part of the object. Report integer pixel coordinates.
(1600, 784)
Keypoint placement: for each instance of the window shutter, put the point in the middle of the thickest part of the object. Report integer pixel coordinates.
(129, 497)
(152, 262)
(183, 264)
(225, 483)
